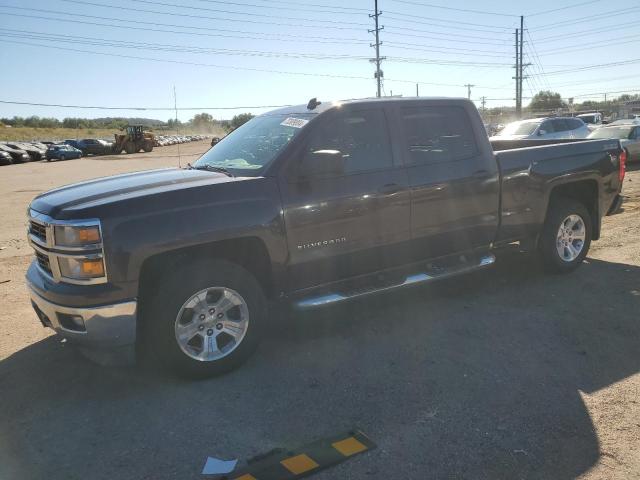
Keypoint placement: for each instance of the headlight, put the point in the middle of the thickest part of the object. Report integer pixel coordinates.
(81, 268)
(72, 236)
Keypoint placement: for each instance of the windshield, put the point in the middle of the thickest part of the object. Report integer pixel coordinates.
(612, 132)
(519, 128)
(588, 118)
(251, 147)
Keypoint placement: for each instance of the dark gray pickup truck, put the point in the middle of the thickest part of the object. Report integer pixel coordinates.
(312, 205)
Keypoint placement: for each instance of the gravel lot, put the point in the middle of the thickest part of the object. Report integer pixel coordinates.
(506, 373)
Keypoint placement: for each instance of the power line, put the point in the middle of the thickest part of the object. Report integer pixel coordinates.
(332, 23)
(431, 5)
(93, 107)
(574, 21)
(222, 51)
(544, 12)
(229, 67)
(249, 35)
(594, 67)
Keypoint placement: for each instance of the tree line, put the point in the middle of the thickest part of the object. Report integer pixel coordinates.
(201, 121)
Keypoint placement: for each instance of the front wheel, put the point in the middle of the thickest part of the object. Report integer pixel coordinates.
(205, 319)
(566, 236)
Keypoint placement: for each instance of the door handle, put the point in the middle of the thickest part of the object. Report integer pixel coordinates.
(390, 189)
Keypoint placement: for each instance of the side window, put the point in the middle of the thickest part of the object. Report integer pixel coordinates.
(636, 133)
(360, 136)
(438, 134)
(576, 123)
(560, 125)
(547, 127)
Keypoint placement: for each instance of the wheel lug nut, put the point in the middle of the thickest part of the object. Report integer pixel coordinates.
(220, 315)
(201, 316)
(210, 332)
(212, 311)
(219, 326)
(201, 327)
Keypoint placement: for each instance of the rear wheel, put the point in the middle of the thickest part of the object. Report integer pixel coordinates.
(566, 236)
(62, 157)
(148, 146)
(206, 319)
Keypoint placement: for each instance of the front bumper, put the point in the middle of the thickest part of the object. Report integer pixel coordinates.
(101, 327)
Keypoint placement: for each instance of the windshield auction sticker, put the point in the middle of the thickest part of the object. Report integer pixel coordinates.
(295, 122)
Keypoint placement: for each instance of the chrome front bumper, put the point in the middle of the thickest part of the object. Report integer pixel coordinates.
(106, 326)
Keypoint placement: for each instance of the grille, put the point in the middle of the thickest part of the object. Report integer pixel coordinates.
(43, 262)
(38, 230)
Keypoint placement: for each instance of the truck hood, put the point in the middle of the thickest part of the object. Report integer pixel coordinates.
(70, 201)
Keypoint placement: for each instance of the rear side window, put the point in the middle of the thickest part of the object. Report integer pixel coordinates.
(360, 136)
(438, 134)
(576, 123)
(560, 125)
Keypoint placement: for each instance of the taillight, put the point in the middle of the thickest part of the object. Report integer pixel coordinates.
(623, 165)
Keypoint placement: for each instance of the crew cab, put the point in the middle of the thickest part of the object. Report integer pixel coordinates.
(310, 205)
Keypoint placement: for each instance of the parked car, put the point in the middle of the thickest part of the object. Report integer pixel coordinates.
(311, 205)
(35, 154)
(62, 152)
(591, 119)
(544, 128)
(91, 146)
(17, 155)
(628, 134)
(5, 158)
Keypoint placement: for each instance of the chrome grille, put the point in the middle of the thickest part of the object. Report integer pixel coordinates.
(43, 262)
(38, 230)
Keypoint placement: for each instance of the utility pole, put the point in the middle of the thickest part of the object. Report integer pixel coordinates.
(484, 102)
(418, 92)
(517, 77)
(521, 74)
(468, 85)
(378, 75)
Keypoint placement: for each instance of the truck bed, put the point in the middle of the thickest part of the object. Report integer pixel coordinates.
(531, 169)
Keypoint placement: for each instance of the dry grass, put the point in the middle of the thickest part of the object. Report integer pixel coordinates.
(30, 134)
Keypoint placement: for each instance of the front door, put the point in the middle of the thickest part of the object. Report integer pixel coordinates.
(352, 223)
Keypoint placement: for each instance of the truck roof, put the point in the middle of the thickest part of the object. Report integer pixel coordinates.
(327, 105)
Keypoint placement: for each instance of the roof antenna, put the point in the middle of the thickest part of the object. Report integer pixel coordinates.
(175, 106)
(313, 103)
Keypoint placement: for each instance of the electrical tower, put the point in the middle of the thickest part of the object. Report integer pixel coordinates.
(378, 74)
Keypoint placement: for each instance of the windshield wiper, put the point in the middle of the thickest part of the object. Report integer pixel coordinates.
(212, 168)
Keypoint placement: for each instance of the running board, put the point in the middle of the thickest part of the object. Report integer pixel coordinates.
(414, 279)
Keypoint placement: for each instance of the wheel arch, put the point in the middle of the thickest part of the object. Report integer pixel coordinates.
(249, 252)
(586, 192)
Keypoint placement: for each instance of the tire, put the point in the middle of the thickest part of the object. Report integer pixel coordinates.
(562, 214)
(165, 316)
(62, 157)
(147, 147)
(130, 148)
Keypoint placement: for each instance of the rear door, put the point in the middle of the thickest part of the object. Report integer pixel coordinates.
(454, 184)
(348, 224)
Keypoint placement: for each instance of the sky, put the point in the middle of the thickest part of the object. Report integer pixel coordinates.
(261, 53)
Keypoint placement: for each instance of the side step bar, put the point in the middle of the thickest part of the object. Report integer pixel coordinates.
(414, 279)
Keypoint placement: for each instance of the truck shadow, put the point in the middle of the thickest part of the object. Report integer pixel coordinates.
(482, 376)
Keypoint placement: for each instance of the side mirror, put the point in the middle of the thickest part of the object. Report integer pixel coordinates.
(542, 132)
(323, 163)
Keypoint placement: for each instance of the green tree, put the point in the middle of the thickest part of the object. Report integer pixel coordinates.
(239, 120)
(546, 100)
